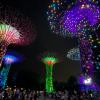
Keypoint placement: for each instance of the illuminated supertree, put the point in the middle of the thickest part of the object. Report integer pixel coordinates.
(8, 60)
(65, 17)
(74, 54)
(81, 20)
(14, 29)
(49, 60)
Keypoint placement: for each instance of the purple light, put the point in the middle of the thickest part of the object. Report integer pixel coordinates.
(86, 83)
(81, 16)
(86, 80)
(81, 79)
(80, 19)
(86, 57)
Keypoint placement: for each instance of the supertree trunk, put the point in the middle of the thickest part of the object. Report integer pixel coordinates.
(3, 49)
(90, 57)
(49, 78)
(4, 75)
(86, 57)
(95, 40)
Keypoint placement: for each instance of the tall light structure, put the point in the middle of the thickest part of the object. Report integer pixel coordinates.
(80, 20)
(8, 60)
(86, 83)
(49, 61)
(14, 29)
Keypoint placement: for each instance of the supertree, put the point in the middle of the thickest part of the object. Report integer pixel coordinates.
(86, 83)
(81, 20)
(8, 60)
(74, 54)
(49, 60)
(96, 56)
(14, 29)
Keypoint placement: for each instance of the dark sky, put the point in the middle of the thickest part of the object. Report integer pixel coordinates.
(45, 41)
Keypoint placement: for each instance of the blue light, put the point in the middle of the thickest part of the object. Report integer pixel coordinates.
(53, 5)
(98, 55)
(74, 54)
(10, 59)
(3, 76)
(97, 65)
(95, 46)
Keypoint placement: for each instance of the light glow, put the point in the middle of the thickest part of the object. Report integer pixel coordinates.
(49, 61)
(88, 81)
(9, 34)
(74, 54)
(14, 29)
(8, 60)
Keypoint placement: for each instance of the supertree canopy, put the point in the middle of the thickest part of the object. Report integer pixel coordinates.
(81, 19)
(49, 60)
(74, 54)
(71, 19)
(84, 15)
(14, 29)
(8, 60)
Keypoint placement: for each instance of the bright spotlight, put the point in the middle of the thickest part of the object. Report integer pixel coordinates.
(88, 81)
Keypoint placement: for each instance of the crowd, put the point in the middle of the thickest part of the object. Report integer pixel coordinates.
(23, 94)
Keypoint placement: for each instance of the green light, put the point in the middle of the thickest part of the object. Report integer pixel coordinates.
(5, 28)
(49, 61)
(49, 79)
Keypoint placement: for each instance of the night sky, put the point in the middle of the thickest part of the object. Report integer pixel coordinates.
(45, 41)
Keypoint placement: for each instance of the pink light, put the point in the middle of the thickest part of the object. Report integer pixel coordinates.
(9, 60)
(15, 28)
